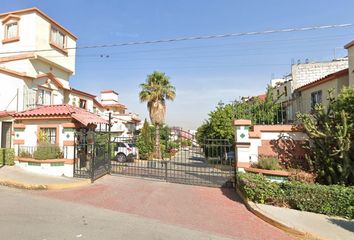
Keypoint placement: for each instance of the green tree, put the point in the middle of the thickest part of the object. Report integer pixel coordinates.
(219, 123)
(155, 91)
(331, 139)
(144, 142)
(257, 110)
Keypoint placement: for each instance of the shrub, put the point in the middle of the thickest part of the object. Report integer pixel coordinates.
(257, 188)
(331, 130)
(302, 176)
(268, 163)
(146, 148)
(330, 200)
(7, 156)
(47, 151)
(25, 154)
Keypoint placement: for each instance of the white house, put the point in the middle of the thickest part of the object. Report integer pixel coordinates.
(37, 59)
(33, 77)
(124, 123)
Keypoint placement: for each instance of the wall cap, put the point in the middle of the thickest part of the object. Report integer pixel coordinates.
(64, 160)
(242, 122)
(268, 172)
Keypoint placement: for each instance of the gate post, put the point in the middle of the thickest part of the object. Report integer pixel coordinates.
(109, 143)
(242, 143)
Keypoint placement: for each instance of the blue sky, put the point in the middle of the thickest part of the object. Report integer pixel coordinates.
(204, 72)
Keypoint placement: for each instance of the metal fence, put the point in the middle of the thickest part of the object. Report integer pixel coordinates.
(211, 163)
(265, 114)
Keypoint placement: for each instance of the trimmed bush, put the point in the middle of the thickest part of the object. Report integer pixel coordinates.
(47, 151)
(258, 188)
(7, 156)
(330, 200)
(268, 163)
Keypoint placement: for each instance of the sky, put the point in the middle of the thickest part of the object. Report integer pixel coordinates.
(204, 72)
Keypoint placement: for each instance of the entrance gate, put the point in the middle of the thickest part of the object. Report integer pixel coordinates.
(209, 163)
(91, 153)
(184, 160)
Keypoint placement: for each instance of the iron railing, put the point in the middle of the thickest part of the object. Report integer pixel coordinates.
(265, 114)
(41, 152)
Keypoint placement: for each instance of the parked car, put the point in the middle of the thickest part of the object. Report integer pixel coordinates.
(124, 152)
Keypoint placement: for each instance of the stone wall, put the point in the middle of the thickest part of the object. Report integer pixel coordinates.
(308, 72)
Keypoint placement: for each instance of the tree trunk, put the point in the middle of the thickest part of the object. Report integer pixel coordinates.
(157, 142)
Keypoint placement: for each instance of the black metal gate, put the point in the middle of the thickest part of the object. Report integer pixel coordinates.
(207, 163)
(92, 156)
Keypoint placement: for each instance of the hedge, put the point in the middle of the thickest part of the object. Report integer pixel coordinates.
(335, 200)
(47, 151)
(7, 156)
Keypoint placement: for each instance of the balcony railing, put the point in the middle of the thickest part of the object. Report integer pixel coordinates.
(42, 152)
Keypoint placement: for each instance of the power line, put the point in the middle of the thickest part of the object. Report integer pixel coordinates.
(278, 41)
(193, 38)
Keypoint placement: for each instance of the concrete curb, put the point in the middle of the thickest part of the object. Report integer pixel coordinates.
(54, 186)
(265, 217)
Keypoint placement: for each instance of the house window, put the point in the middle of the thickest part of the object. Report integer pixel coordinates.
(11, 30)
(50, 134)
(278, 92)
(285, 91)
(44, 97)
(82, 103)
(57, 38)
(316, 98)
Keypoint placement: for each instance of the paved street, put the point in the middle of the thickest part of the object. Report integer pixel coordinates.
(26, 216)
(197, 212)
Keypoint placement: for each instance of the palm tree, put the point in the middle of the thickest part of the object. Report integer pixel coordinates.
(155, 91)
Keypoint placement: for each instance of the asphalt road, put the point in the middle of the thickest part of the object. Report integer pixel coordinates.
(24, 215)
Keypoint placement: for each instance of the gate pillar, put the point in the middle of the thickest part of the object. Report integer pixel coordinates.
(242, 142)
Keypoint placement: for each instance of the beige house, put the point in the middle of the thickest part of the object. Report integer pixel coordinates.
(350, 48)
(317, 92)
(301, 75)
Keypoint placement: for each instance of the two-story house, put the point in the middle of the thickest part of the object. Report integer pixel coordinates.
(37, 58)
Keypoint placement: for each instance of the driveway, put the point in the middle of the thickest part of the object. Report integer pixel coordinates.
(214, 211)
(187, 166)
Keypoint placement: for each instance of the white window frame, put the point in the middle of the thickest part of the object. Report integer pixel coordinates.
(41, 94)
(55, 33)
(316, 98)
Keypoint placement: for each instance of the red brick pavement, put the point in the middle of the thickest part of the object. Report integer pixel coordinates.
(214, 210)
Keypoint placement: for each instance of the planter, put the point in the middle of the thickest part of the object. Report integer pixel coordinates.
(59, 160)
(273, 175)
(53, 167)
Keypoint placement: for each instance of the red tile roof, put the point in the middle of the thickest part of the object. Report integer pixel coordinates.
(262, 97)
(64, 110)
(6, 113)
(327, 78)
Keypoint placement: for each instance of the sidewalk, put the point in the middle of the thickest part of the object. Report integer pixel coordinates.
(317, 225)
(14, 176)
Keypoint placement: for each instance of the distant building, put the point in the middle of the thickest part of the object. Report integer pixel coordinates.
(316, 92)
(301, 74)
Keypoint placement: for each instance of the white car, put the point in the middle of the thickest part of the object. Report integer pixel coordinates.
(124, 152)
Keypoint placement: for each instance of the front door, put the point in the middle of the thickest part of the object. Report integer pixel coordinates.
(6, 134)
